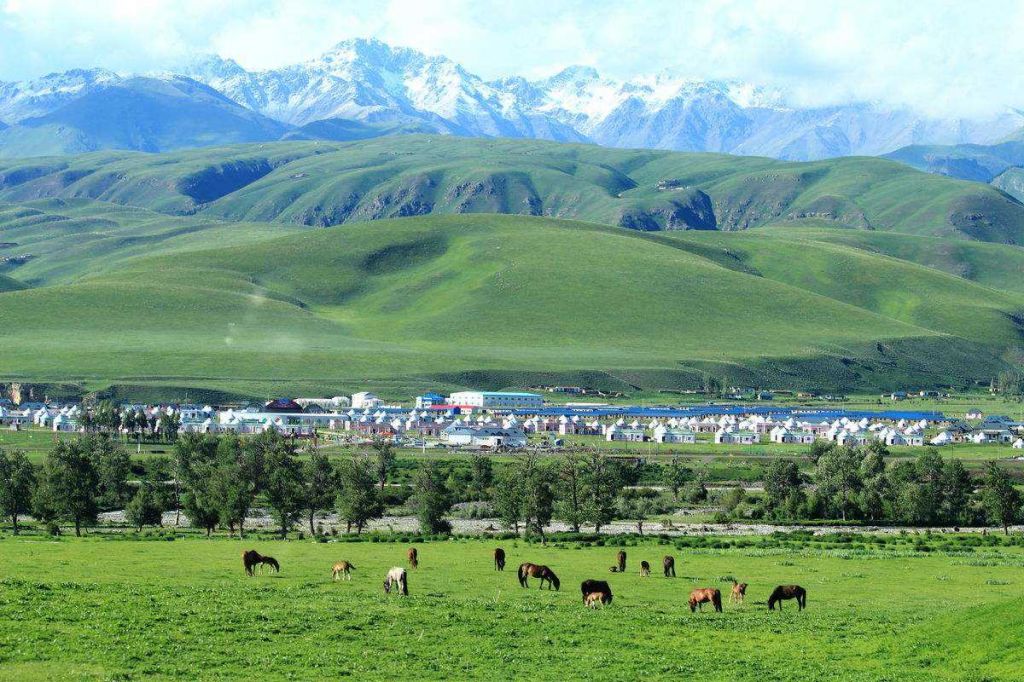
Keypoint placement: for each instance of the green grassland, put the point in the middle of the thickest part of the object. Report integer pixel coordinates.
(124, 609)
(506, 300)
(198, 271)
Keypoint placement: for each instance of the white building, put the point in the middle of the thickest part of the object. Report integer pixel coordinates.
(624, 433)
(723, 437)
(366, 400)
(484, 436)
(496, 400)
(664, 434)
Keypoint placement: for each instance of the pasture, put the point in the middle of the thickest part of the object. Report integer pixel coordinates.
(906, 607)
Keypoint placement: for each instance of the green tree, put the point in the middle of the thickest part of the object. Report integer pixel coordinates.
(570, 493)
(1001, 499)
(195, 468)
(430, 498)
(538, 498)
(17, 481)
(507, 498)
(143, 509)
(820, 448)
(874, 485)
(676, 476)
(359, 500)
(113, 468)
(385, 460)
(71, 484)
(838, 478)
(782, 484)
(283, 485)
(319, 485)
(957, 488)
(601, 487)
(481, 476)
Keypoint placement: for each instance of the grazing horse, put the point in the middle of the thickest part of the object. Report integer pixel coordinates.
(251, 558)
(343, 568)
(414, 558)
(620, 560)
(593, 599)
(499, 559)
(669, 566)
(592, 587)
(529, 570)
(704, 595)
(397, 576)
(783, 592)
(739, 591)
(645, 569)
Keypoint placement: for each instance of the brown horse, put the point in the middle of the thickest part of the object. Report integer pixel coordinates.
(344, 569)
(592, 587)
(594, 599)
(783, 592)
(620, 560)
(739, 591)
(529, 570)
(645, 569)
(668, 564)
(499, 559)
(414, 558)
(704, 595)
(251, 558)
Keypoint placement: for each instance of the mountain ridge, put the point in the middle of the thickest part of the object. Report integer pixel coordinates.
(369, 83)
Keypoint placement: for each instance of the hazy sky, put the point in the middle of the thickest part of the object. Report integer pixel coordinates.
(941, 56)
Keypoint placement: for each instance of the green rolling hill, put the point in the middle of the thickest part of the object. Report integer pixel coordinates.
(206, 270)
(328, 183)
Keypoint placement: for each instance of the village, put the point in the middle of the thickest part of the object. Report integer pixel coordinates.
(513, 420)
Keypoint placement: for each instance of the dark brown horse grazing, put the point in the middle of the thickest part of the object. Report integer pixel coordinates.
(669, 566)
(529, 570)
(645, 569)
(589, 587)
(499, 559)
(704, 595)
(414, 558)
(620, 560)
(783, 592)
(251, 558)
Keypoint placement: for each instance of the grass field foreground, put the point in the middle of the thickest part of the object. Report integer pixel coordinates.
(125, 609)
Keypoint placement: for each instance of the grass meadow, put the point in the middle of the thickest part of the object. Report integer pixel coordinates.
(897, 608)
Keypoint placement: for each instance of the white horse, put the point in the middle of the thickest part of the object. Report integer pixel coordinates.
(397, 576)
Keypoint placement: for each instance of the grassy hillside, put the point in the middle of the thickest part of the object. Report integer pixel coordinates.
(324, 183)
(61, 240)
(502, 300)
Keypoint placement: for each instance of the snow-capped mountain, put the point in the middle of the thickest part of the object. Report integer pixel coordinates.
(369, 81)
(43, 95)
(364, 88)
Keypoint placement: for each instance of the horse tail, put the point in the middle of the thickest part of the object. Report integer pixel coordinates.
(522, 575)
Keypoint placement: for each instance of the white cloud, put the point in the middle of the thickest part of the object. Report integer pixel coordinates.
(943, 56)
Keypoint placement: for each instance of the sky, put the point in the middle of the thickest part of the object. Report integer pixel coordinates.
(941, 57)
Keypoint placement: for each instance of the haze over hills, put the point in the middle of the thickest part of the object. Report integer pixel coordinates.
(839, 275)
(381, 89)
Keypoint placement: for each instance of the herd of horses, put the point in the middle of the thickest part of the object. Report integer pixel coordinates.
(595, 592)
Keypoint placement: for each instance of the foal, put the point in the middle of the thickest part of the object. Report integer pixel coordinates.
(343, 568)
(739, 591)
(645, 569)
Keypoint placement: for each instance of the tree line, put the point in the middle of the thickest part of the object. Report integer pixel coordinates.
(215, 481)
(860, 483)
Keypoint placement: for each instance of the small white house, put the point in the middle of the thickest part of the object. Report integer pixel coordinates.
(366, 400)
(664, 434)
(723, 437)
(624, 433)
(1018, 444)
(484, 436)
